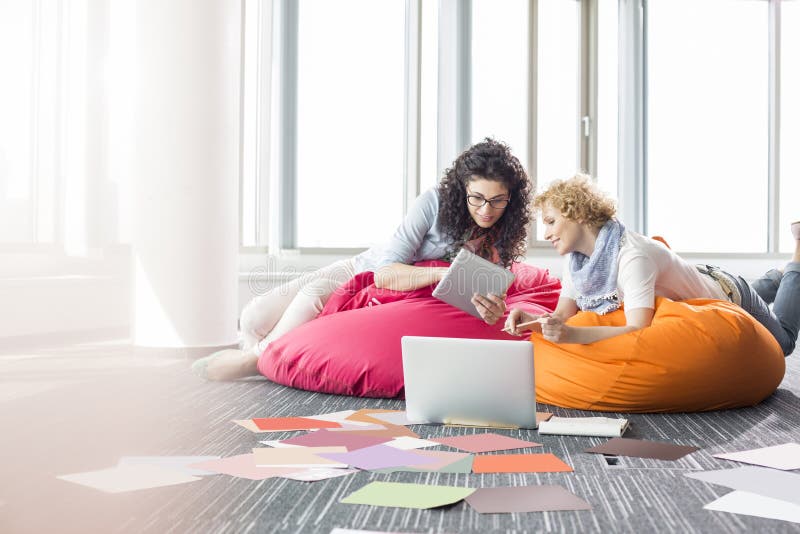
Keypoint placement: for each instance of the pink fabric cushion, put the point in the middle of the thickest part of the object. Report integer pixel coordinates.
(353, 348)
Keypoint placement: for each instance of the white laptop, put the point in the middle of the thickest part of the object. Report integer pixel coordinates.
(479, 382)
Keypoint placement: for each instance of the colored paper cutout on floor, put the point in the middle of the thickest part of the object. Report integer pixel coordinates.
(315, 474)
(336, 417)
(279, 424)
(518, 463)
(523, 499)
(364, 415)
(396, 418)
(323, 438)
(342, 418)
(447, 462)
(785, 457)
(297, 457)
(406, 443)
(542, 416)
(278, 444)
(248, 424)
(349, 426)
(772, 483)
(379, 457)
(745, 503)
(485, 442)
(640, 448)
(243, 466)
(122, 478)
(400, 495)
(388, 431)
(178, 463)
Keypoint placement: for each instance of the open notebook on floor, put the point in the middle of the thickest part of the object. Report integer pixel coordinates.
(477, 382)
(584, 426)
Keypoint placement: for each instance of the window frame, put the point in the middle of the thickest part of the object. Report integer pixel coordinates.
(278, 54)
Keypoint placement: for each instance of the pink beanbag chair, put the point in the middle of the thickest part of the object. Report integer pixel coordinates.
(353, 348)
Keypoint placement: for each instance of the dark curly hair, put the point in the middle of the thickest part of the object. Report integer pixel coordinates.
(489, 160)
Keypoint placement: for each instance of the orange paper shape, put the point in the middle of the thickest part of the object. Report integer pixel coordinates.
(543, 416)
(391, 430)
(519, 463)
(292, 423)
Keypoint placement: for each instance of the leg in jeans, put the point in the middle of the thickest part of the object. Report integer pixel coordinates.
(787, 301)
(767, 285)
(784, 319)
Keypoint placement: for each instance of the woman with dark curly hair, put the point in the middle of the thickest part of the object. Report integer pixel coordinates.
(483, 203)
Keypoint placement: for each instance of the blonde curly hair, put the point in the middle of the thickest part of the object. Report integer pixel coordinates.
(578, 199)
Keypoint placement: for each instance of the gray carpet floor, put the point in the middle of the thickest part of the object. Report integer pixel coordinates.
(81, 408)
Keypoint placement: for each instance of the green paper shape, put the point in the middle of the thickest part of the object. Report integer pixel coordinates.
(402, 495)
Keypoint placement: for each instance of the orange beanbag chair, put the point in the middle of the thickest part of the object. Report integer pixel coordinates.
(697, 355)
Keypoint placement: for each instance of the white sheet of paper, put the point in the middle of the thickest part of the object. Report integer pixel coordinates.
(123, 478)
(407, 443)
(785, 457)
(178, 463)
(761, 480)
(746, 503)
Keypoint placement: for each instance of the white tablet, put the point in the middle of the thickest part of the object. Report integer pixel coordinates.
(470, 274)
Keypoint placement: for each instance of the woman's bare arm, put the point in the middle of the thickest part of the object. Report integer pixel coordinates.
(402, 277)
(556, 331)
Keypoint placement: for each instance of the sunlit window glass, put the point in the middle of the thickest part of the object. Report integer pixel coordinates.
(350, 122)
(607, 127)
(707, 152)
(557, 92)
(500, 74)
(790, 119)
(429, 84)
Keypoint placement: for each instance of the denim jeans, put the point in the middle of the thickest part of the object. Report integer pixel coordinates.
(783, 292)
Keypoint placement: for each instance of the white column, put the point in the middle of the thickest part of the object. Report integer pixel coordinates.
(186, 173)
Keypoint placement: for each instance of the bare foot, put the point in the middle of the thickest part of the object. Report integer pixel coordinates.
(229, 364)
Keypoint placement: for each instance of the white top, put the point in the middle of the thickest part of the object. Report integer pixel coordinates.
(648, 269)
(418, 238)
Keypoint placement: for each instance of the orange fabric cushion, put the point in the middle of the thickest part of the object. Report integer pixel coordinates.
(697, 355)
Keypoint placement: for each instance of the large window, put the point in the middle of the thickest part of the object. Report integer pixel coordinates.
(557, 115)
(789, 121)
(349, 121)
(500, 73)
(708, 120)
(686, 147)
(29, 153)
(607, 123)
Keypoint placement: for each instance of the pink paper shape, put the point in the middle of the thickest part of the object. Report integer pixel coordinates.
(487, 442)
(244, 466)
(325, 438)
(379, 457)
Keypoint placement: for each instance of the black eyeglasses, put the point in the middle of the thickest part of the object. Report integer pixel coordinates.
(495, 203)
